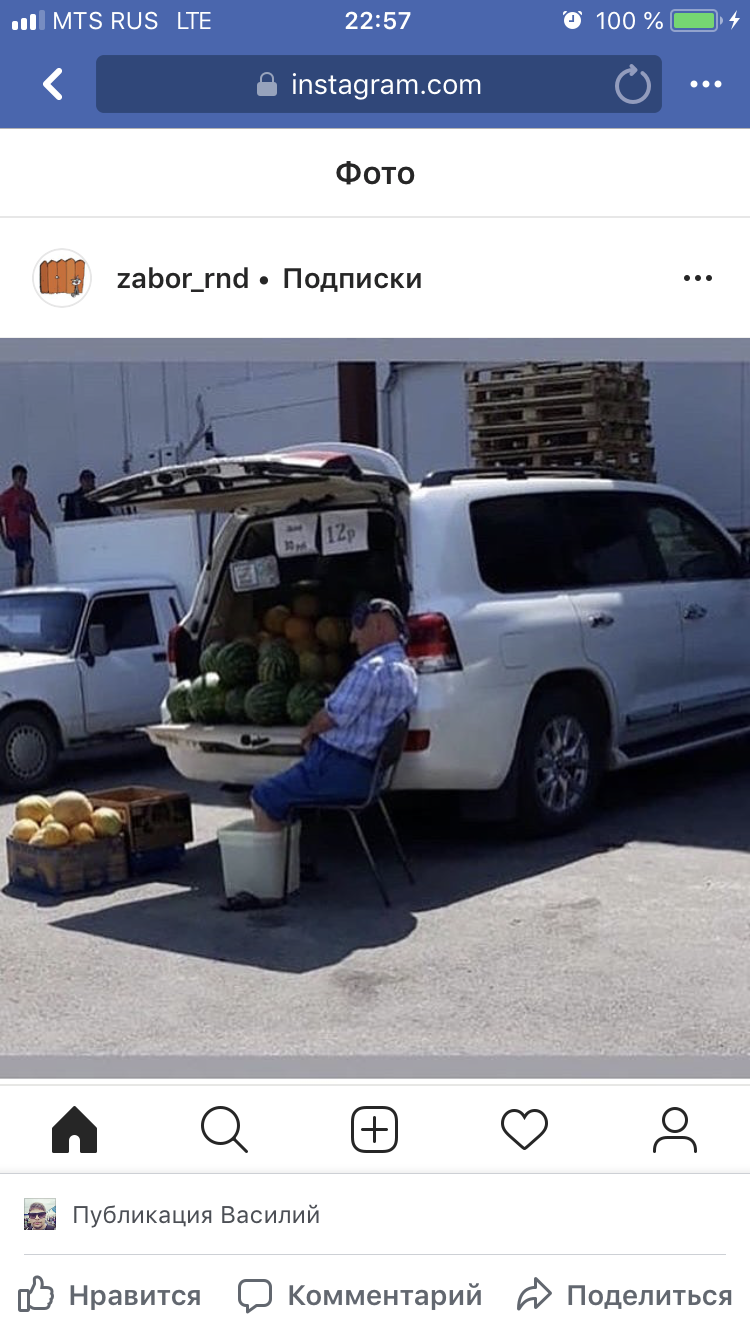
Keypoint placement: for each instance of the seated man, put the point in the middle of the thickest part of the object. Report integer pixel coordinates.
(344, 737)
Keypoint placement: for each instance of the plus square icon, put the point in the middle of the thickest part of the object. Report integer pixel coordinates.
(374, 1129)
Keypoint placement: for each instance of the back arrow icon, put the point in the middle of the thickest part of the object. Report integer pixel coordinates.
(49, 82)
(538, 1294)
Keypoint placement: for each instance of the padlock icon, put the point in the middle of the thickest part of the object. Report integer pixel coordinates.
(267, 89)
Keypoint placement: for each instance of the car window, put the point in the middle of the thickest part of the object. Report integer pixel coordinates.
(607, 544)
(128, 620)
(690, 547)
(517, 542)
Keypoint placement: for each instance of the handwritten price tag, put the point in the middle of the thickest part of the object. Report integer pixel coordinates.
(296, 535)
(343, 531)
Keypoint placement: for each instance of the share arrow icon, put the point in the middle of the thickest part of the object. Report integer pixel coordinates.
(537, 1294)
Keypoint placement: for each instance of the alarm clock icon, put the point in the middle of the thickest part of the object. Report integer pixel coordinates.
(572, 18)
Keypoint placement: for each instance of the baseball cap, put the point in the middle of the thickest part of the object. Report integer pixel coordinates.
(375, 605)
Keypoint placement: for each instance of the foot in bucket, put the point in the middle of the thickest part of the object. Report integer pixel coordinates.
(342, 740)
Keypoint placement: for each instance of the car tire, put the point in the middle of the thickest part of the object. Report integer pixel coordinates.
(560, 761)
(29, 750)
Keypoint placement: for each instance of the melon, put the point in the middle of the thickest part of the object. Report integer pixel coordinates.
(275, 619)
(237, 664)
(298, 627)
(332, 632)
(265, 704)
(234, 704)
(55, 835)
(37, 838)
(105, 822)
(208, 658)
(303, 702)
(178, 703)
(48, 819)
(82, 833)
(301, 646)
(24, 830)
(71, 808)
(306, 605)
(333, 667)
(311, 666)
(278, 662)
(206, 700)
(33, 808)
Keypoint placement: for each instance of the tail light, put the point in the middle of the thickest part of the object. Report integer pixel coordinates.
(418, 740)
(179, 651)
(432, 647)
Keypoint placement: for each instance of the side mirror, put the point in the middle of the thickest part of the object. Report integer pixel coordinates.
(97, 637)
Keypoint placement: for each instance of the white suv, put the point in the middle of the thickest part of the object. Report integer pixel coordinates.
(562, 625)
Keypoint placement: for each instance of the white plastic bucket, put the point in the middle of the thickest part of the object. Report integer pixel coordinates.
(254, 862)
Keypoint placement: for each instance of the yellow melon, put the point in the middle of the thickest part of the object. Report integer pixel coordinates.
(333, 666)
(37, 838)
(24, 830)
(298, 627)
(82, 833)
(106, 822)
(275, 619)
(332, 632)
(55, 835)
(70, 808)
(33, 808)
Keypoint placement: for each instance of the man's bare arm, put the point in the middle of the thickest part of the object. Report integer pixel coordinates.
(39, 521)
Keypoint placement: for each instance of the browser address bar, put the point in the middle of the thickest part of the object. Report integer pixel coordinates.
(344, 84)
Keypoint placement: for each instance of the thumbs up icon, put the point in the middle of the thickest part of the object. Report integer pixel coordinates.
(36, 1298)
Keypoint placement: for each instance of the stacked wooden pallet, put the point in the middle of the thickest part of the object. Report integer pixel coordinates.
(546, 414)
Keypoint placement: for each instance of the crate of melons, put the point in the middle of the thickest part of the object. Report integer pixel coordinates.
(61, 845)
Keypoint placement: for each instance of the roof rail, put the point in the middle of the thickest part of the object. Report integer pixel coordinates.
(517, 472)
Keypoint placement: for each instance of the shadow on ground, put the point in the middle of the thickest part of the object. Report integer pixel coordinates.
(699, 802)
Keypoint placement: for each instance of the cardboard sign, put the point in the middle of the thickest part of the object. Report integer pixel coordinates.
(296, 535)
(343, 531)
(247, 575)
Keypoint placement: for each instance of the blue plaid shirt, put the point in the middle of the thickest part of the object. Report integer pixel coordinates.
(379, 687)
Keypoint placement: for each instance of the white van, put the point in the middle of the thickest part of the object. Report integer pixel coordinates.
(562, 624)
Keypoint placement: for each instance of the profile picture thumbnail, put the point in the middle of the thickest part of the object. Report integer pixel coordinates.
(39, 1214)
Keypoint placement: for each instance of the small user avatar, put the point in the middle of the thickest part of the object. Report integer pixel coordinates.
(39, 1215)
(675, 1120)
(62, 278)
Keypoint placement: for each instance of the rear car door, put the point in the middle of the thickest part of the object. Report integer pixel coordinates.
(124, 688)
(709, 579)
(630, 620)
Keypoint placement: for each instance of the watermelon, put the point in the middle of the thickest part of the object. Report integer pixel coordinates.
(265, 704)
(208, 658)
(237, 665)
(234, 704)
(206, 699)
(278, 662)
(303, 702)
(178, 703)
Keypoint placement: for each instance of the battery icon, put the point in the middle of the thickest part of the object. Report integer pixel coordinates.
(695, 20)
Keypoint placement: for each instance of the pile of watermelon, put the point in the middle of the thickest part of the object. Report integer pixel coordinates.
(283, 673)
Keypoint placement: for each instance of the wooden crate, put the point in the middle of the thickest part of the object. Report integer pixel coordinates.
(153, 817)
(77, 868)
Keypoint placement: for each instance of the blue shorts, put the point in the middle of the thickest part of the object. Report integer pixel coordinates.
(22, 548)
(325, 776)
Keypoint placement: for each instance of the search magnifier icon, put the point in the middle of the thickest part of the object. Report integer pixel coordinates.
(224, 1126)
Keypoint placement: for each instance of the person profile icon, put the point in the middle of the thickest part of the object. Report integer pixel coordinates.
(675, 1134)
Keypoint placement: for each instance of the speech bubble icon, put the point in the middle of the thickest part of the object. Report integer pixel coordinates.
(254, 1292)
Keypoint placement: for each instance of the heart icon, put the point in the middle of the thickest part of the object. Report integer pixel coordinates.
(524, 1128)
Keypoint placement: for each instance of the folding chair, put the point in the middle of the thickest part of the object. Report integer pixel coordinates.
(386, 763)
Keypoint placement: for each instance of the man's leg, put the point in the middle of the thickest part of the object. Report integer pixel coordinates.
(263, 823)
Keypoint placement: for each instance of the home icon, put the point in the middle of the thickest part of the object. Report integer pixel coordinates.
(74, 1123)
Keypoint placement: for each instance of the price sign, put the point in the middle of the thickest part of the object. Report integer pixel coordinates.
(247, 575)
(343, 531)
(296, 535)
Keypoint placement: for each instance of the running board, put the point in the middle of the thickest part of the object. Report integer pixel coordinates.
(687, 737)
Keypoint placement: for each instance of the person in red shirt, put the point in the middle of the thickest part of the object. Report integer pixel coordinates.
(17, 508)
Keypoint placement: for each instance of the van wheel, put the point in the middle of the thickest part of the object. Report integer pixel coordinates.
(29, 750)
(561, 760)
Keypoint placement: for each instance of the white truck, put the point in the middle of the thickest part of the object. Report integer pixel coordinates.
(84, 659)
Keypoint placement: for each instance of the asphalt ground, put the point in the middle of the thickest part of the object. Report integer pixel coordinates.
(628, 938)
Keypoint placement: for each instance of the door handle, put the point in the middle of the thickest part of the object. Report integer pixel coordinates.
(694, 612)
(159, 657)
(599, 619)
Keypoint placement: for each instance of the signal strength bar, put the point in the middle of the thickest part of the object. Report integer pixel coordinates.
(31, 24)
